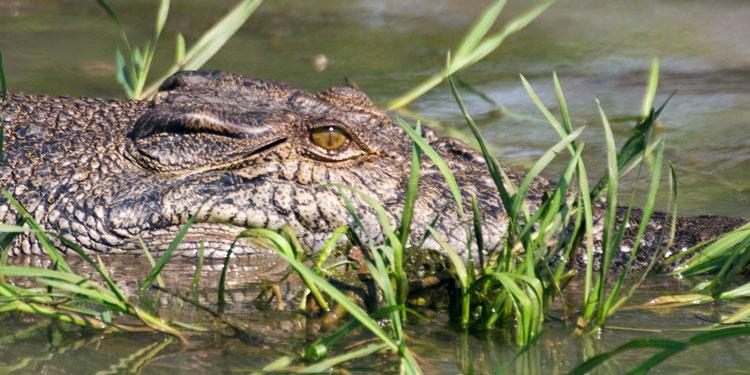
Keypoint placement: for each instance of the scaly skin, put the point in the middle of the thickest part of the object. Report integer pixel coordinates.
(236, 152)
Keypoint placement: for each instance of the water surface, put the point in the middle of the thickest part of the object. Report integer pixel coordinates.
(599, 48)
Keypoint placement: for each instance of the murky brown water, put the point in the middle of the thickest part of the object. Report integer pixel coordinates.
(599, 48)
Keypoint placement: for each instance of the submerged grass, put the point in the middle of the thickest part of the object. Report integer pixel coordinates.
(668, 349)
(66, 296)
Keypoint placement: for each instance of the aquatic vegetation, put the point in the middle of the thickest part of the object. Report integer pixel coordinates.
(669, 348)
(64, 295)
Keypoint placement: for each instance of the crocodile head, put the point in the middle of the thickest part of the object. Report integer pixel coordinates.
(236, 152)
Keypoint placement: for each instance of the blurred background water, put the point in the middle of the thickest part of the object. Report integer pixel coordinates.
(599, 48)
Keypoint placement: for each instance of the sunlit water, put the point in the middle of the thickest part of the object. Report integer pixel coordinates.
(599, 48)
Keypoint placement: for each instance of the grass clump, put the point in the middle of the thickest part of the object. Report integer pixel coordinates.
(64, 295)
(382, 269)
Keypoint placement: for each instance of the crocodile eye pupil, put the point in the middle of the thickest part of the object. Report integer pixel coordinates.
(330, 138)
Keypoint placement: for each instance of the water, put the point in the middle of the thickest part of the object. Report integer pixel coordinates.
(599, 48)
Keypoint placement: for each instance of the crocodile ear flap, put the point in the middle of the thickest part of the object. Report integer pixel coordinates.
(190, 79)
(349, 98)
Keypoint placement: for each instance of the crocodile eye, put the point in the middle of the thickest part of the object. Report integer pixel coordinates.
(329, 138)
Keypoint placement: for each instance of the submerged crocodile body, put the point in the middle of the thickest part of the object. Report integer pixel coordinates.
(236, 152)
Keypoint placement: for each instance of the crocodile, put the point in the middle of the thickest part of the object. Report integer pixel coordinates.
(232, 152)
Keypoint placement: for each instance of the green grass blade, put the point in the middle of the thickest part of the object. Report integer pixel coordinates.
(33, 272)
(8, 228)
(209, 43)
(669, 348)
(132, 73)
(475, 35)
(731, 268)
(328, 364)
(537, 168)
(412, 187)
(161, 19)
(297, 251)
(123, 75)
(179, 49)
(721, 247)
(382, 214)
(439, 163)
(221, 301)
(653, 85)
(464, 60)
(456, 260)
(156, 270)
(563, 104)
(44, 242)
(330, 245)
(588, 219)
(612, 184)
(150, 260)
(324, 285)
(648, 209)
(402, 283)
(492, 42)
(542, 108)
(143, 65)
(741, 315)
(90, 295)
(738, 292)
(595, 361)
(634, 146)
(319, 349)
(198, 268)
(493, 167)
(110, 12)
(478, 236)
(102, 271)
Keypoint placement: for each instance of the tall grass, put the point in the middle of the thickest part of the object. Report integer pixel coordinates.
(133, 63)
(475, 46)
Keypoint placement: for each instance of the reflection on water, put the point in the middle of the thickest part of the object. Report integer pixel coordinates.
(262, 330)
(599, 48)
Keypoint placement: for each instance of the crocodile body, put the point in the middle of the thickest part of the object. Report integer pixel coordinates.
(236, 152)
